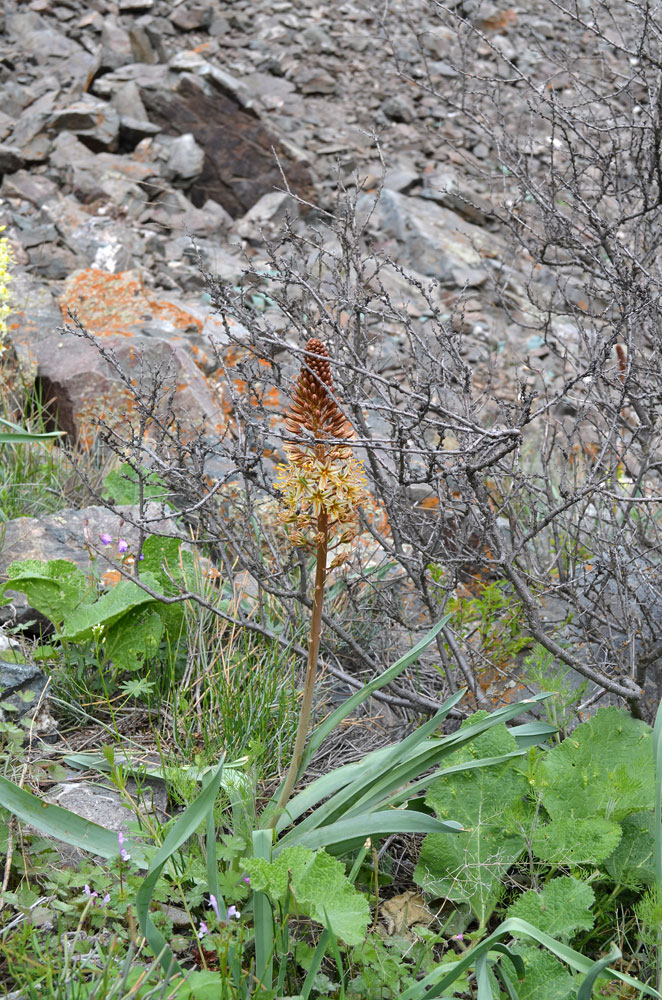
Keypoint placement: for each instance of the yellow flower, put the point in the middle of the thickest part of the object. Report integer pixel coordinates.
(6, 260)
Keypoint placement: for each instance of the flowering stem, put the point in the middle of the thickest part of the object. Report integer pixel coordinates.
(313, 652)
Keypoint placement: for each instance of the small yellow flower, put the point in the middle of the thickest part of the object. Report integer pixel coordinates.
(6, 260)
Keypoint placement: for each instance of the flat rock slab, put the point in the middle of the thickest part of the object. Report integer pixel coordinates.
(103, 805)
(239, 165)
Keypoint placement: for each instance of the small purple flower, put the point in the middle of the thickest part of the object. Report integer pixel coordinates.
(106, 538)
(203, 930)
(233, 912)
(94, 896)
(121, 840)
(122, 546)
(247, 880)
(213, 903)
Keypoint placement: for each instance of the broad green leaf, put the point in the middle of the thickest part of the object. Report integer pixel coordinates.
(55, 588)
(545, 978)
(318, 886)
(133, 639)
(605, 768)
(488, 802)
(569, 841)
(560, 909)
(62, 824)
(164, 556)
(633, 862)
(110, 607)
(122, 487)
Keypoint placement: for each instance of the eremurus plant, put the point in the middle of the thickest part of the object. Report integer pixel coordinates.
(321, 486)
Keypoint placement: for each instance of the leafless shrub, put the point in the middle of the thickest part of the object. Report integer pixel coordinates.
(544, 474)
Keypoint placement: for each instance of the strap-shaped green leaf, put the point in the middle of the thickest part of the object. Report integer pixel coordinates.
(62, 824)
(349, 833)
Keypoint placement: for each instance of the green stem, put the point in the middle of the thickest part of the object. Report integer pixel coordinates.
(309, 686)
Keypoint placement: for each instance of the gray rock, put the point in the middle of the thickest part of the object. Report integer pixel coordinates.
(192, 17)
(117, 49)
(127, 102)
(72, 535)
(21, 687)
(317, 40)
(104, 805)
(398, 108)
(315, 80)
(11, 158)
(51, 261)
(186, 158)
(425, 236)
(6, 124)
(265, 218)
(33, 236)
(35, 188)
(93, 121)
(146, 44)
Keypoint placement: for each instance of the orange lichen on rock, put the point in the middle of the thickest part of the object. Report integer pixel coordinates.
(118, 304)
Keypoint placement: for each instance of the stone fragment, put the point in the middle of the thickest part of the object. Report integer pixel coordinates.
(314, 80)
(239, 164)
(186, 158)
(94, 122)
(6, 125)
(21, 687)
(191, 17)
(264, 220)
(11, 158)
(51, 261)
(146, 44)
(116, 46)
(398, 108)
(126, 101)
(35, 188)
(425, 236)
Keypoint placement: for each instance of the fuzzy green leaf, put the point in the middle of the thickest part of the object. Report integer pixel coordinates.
(603, 769)
(110, 607)
(122, 486)
(569, 841)
(633, 862)
(55, 588)
(133, 639)
(560, 909)
(469, 867)
(545, 978)
(318, 886)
